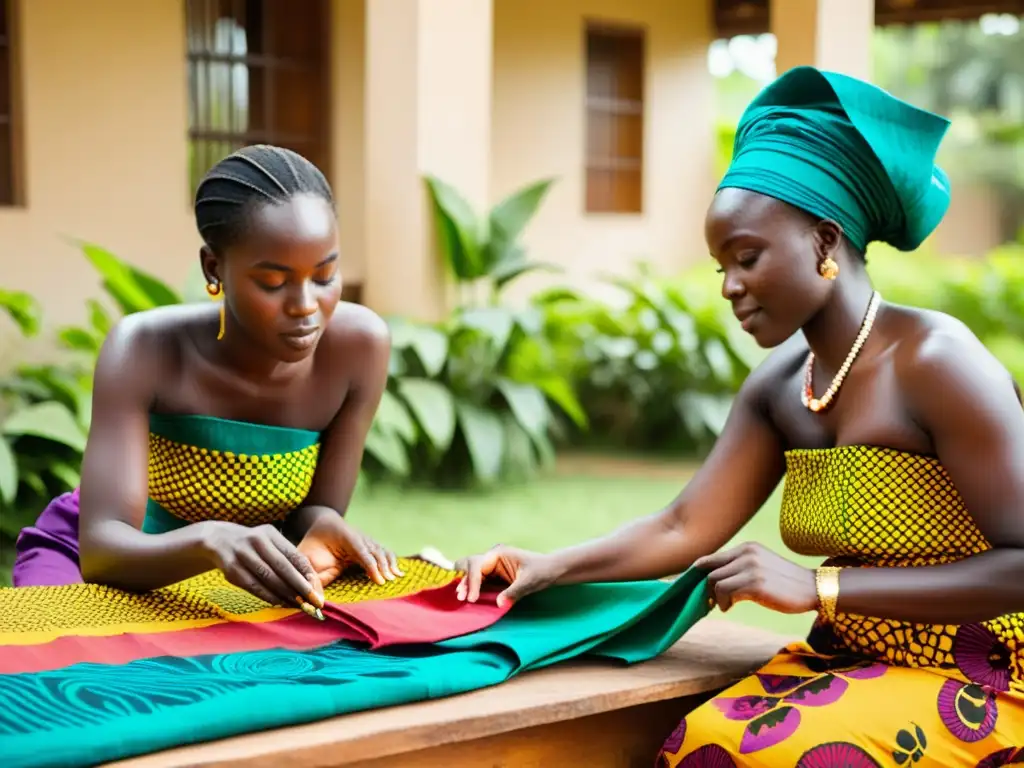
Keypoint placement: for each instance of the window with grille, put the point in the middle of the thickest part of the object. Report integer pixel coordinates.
(257, 74)
(615, 119)
(7, 181)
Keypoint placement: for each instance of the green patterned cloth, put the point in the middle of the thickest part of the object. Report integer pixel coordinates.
(90, 713)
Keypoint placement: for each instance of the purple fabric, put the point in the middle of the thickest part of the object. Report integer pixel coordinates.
(47, 552)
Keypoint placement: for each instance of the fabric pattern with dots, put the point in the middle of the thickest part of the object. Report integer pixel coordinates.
(196, 484)
(865, 506)
(97, 610)
(204, 468)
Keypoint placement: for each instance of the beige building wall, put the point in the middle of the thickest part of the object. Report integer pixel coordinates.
(347, 174)
(539, 130)
(103, 112)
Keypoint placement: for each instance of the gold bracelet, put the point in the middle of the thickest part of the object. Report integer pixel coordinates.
(826, 580)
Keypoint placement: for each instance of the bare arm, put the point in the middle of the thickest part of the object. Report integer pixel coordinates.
(343, 443)
(744, 467)
(963, 397)
(114, 491)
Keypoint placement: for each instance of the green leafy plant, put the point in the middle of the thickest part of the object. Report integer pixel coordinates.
(485, 250)
(471, 400)
(657, 366)
(45, 410)
(477, 397)
(44, 415)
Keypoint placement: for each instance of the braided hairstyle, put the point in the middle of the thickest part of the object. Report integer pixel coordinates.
(256, 175)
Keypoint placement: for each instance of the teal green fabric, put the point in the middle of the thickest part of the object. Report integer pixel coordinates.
(159, 520)
(844, 149)
(91, 713)
(216, 434)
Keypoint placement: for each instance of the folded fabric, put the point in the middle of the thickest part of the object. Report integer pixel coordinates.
(87, 713)
(52, 627)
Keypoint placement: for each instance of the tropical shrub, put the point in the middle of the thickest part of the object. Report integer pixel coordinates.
(656, 367)
(470, 400)
(44, 416)
(477, 397)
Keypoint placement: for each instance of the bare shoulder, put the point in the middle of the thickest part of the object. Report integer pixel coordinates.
(155, 336)
(144, 350)
(355, 327)
(931, 343)
(356, 346)
(936, 356)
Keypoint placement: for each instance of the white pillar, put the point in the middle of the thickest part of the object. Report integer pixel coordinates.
(427, 110)
(828, 34)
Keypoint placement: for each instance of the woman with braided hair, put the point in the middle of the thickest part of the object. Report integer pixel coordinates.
(231, 437)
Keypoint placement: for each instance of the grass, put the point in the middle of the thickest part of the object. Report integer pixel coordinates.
(587, 497)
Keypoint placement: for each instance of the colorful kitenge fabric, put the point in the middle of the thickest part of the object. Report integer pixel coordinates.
(90, 674)
(866, 691)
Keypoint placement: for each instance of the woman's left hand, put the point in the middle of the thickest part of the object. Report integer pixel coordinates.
(753, 572)
(331, 545)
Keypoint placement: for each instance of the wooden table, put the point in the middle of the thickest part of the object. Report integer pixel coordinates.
(576, 713)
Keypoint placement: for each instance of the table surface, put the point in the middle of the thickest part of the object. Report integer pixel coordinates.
(711, 656)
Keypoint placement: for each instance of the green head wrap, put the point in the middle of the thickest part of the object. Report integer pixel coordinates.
(843, 149)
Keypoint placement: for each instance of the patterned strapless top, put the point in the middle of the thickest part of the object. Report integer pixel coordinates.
(866, 506)
(205, 468)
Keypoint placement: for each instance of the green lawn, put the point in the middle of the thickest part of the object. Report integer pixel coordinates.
(564, 508)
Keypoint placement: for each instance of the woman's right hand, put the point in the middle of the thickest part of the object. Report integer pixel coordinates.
(262, 561)
(525, 572)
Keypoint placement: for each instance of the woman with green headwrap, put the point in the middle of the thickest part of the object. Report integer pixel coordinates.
(900, 438)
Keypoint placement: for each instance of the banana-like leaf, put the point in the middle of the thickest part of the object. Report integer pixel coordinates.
(66, 474)
(510, 217)
(520, 455)
(433, 407)
(504, 274)
(393, 416)
(560, 391)
(387, 448)
(496, 323)
(485, 438)
(528, 405)
(8, 473)
(429, 344)
(458, 230)
(23, 309)
(132, 289)
(50, 420)
(99, 319)
(79, 340)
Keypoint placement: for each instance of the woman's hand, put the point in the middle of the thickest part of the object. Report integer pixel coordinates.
(525, 572)
(262, 561)
(331, 545)
(753, 572)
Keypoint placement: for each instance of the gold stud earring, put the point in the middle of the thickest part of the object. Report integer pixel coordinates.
(215, 290)
(828, 268)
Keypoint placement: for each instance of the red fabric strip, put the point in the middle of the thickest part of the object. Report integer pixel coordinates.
(425, 617)
(296, 632)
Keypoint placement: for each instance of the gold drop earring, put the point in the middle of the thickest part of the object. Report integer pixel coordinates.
(828, 268)
(215, 290)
